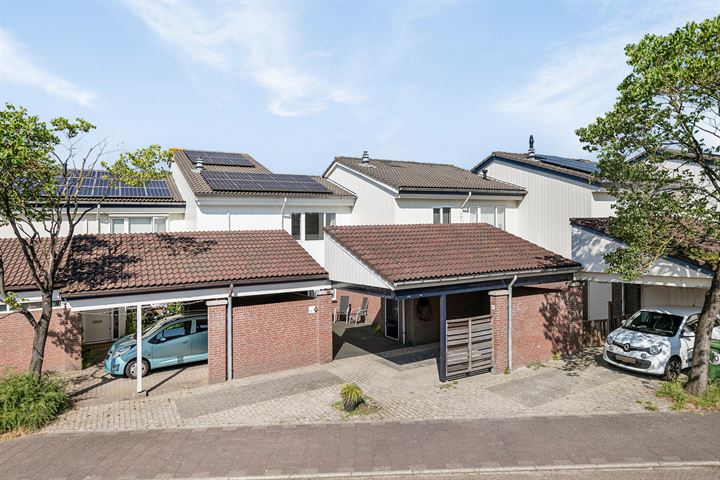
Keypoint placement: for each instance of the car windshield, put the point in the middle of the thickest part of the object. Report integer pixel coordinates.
(655, 323)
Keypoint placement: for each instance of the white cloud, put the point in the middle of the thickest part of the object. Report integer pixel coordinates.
(249, 39)
(579, 81)
(17, 66)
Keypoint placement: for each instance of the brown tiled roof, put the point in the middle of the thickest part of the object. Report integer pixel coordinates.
(427, 177)
(523, 158)
(199, 185)
(124, 263)
(401, 253)
(599, 224)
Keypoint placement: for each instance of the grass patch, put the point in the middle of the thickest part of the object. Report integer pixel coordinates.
(448, 385)
(368, 407)
(28, 403)
(537, 365)
(680, 399)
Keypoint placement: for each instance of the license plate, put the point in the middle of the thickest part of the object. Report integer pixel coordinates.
(625, 359)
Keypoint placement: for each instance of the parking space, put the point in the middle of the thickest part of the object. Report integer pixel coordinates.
(402, 382)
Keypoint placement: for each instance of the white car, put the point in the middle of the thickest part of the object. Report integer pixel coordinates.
(655, 340)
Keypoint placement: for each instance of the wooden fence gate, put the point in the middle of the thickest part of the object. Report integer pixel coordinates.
(468, 344)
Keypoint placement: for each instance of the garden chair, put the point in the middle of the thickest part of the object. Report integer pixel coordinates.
(343, 309)
(361, 312)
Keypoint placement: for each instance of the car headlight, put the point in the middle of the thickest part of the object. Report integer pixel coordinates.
(608, 340)
(655, 349)
(121, 351)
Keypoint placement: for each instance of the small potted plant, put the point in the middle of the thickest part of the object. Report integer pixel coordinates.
(351, 395)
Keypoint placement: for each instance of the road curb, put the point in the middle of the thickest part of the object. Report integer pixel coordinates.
(478, 470)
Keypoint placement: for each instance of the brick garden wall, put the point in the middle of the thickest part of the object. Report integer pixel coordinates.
(63, 350)
(280, 335)
(547, 319)
(217, 340)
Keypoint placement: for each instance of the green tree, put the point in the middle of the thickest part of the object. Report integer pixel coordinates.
(43, 167)
(657, 151)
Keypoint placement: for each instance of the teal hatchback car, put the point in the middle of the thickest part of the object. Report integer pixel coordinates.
(171, 341)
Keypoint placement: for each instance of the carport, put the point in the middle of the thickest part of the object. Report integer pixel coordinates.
(493, 300)
(260, 288)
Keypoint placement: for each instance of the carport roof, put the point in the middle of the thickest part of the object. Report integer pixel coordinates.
(412, 253)
(113, 264)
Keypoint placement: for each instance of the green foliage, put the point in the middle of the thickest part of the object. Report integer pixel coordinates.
(28, 402)
(674, 391)
(667, 109)
(351, 395)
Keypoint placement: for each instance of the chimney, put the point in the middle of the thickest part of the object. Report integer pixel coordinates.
(484, 173)
(199, 165)
(531, 149)
(365, 157)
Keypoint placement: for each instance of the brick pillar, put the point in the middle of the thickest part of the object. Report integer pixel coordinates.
(217, 340)
(325, 308)
(499, 318)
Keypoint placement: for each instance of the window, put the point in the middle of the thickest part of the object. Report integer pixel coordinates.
(296, 225)
(493, 215)
(34, 305)
(118, 225)
(177, 330)
(201, 325)
(138, 224)
(313, 226)
(471, 214)
(441, 215)
(330, 220)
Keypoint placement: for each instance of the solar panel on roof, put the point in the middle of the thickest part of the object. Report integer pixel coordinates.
(219, 158)
(262, 182)
(95, 184)
(572, 163)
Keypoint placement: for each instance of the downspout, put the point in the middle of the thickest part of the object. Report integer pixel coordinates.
(97, 218)
(510, 296)
(228, 329)
(465, 203)
(282, 211)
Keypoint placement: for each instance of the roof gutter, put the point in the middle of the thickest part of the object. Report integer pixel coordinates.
(469, 278)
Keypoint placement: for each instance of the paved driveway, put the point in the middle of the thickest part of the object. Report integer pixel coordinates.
(403, 383)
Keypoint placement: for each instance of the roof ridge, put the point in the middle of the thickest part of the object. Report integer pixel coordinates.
(400, 161)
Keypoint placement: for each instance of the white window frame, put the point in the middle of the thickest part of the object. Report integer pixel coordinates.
(323, 216)
(4, 308)
(449, 209)
(126, 221)
(496, 210)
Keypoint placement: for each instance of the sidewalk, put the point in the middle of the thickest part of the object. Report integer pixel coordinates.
(339, 449)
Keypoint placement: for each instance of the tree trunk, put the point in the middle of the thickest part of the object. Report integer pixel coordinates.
(41, 332)
(698, 377)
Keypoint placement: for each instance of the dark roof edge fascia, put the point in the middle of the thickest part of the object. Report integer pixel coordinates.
(134, 205)
(456, 191)
(540, 167)
(672, 258)
(192, 286)
(489, 276)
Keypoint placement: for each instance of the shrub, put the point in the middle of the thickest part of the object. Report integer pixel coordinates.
(710, 399)
(352, 396)
(28, 403)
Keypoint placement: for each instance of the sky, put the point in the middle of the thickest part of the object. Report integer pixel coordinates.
(296, 83)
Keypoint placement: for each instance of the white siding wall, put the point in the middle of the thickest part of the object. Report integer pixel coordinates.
(343, 267)
(375, 204)
(543, 217)
(187, 194)
(677, 297)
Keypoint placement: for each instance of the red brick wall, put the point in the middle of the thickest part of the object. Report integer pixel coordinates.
(376, 314)
(63, 350)
(217, 341)
(269, 337)
(547, 319)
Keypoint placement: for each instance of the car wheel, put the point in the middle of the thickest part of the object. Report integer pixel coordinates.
(672, 369)
(130, 368)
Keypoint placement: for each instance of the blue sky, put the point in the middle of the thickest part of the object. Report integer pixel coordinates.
(296, 83)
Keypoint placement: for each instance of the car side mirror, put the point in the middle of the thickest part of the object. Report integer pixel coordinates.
(162, 339)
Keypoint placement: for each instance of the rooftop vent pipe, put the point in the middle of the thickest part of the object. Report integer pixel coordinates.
(365, 157)
(531, 149)
(484, 173)
(199, 165)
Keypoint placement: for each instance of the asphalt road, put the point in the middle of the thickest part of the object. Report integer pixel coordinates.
(433, 448)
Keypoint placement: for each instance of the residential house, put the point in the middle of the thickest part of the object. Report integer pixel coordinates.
(233, 191)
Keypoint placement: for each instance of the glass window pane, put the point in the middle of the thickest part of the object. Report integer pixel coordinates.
(446, 215)
(500, 218)
(436, 215)
(471, 214)
(140, 225)
(161, 225)
(118, 225)
(295, 229)
(487, 215)
(313, 226)
(201, 325)
(330, 220)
